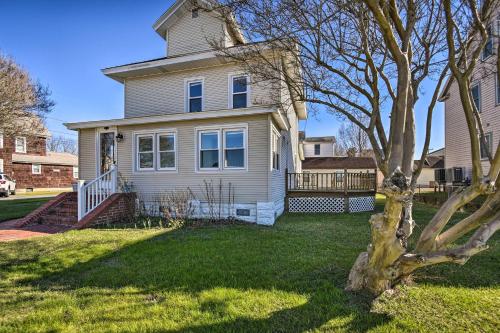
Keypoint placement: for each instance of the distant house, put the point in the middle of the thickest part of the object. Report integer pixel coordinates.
(319, 146)
(432, 170)
(25, 158)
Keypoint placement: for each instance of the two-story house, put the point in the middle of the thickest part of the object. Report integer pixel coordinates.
(25, 158)
(193, 117)
(485, 91)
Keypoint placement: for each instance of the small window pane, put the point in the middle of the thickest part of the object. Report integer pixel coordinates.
(145, 144)
(476, 97)
(195, 89)
(235, 158)
(167, 142)
(167, 160)
(209, 159)
(146, 160)
(239, 101)
(195, 105)
(234, 139)
(209, 141)
(240, 84)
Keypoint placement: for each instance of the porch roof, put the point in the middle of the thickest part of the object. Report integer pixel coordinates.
(269, 109)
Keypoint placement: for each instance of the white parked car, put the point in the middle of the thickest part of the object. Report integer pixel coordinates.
(7, 185)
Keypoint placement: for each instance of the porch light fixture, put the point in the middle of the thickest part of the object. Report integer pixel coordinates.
(119, 137)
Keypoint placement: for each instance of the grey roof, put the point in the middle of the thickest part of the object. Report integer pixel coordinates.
(339, 163)
(320, 139)
(52, 158)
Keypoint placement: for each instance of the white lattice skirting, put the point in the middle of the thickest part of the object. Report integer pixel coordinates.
(329, 204)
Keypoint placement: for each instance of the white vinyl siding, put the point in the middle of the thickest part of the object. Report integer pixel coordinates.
(36, 169)
(20, 144)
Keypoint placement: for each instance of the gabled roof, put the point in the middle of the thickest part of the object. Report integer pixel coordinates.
(52, 158)
(180, 8)
(339, 163)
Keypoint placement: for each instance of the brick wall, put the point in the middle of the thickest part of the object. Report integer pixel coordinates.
(117, 209)
(52, 176)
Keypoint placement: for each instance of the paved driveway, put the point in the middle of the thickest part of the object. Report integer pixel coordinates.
(8, 231)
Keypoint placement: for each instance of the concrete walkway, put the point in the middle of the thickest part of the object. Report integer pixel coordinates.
(8, 231)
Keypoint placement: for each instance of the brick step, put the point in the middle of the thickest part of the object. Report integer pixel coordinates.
(58, 220)
(64, 212)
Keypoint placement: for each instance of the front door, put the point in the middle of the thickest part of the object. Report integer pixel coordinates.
(107, 151)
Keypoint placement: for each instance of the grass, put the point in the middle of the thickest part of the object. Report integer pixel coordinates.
(14, 209)
(288, 278)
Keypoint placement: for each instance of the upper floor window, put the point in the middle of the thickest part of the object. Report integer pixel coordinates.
(476, 96)
(488, 47)
(317, 149)
(275, 150)
(486, 145)
(239, 91)
(20, 145)
(195, 96)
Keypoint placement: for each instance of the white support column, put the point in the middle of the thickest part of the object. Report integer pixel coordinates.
(114, 179)
(81, 199)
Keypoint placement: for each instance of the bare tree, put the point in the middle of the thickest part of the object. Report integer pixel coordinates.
(351, 137)
(23, 102)
(370, 57)
(62, 144)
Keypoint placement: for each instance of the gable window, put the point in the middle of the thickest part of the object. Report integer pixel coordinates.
(488, 47)
(20, 145)
(239, 92)
(36, 169)
(486, 149)
(317, 149)
(194, 13)
(476, 96)
(234, 149)
(75, 172)
(145, 152)
(209, 150)
(275, 149)
(195, 96)
(166, 151)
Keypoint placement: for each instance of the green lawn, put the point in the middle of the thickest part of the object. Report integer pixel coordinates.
(13, 209)
(288, 278)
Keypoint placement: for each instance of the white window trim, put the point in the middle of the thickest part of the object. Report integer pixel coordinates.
(187, 96)
(230, 88)
(198, 153)
(33, 169)
(155, 133)
(76, 172)
(274, 131)
(1, 140)
(24, 144)
(158, 159)
(137, 152)
(478, 85)
(220, 129)
(245, 148)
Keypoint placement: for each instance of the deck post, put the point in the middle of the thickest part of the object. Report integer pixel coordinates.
(346, 197)
(81, 199)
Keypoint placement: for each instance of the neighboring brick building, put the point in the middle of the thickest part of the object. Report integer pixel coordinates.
(26, 159)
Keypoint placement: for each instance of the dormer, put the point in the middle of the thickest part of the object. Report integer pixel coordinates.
(188, 26)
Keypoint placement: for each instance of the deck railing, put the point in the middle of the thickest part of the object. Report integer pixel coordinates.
(339, 181)
(92, 194)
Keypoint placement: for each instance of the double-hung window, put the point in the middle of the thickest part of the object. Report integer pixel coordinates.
(317, 149)
(156, 151)
(195, 96)
(36, 169)
(476, 96)
(275, 149)
(222, 148)
(166, 151)
(486, 145)
(145, 152)
(239, 91)
(234, 149)
(209, 150)
(20, 144)
(488, 47)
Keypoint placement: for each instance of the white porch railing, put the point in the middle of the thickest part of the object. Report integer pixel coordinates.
(92, 194)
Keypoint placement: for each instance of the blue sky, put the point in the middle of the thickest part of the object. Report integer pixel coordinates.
(65, 44)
